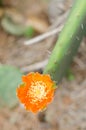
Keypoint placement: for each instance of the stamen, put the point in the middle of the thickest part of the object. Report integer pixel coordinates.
(37, 91)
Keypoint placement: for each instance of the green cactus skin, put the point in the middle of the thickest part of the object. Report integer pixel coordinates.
(11, 28)
(16, 29)
(68, 42)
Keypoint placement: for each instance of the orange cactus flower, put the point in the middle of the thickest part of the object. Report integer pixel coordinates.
(36, 92)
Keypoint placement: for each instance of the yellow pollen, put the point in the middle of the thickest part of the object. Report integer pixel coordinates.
(37, 91)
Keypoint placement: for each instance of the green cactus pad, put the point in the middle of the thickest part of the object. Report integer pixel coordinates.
(10, 77)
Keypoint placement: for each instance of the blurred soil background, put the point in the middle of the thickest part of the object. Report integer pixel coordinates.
(68, 109)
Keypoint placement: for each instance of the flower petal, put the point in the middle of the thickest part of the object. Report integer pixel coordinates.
(36, 92)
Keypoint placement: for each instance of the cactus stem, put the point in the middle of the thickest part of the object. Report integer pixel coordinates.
(68, 42)
(82, 26)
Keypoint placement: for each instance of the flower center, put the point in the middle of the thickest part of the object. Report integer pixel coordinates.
(37, 91)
